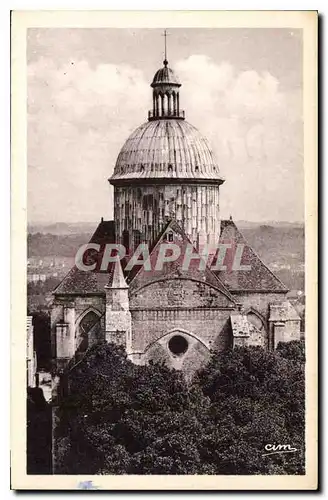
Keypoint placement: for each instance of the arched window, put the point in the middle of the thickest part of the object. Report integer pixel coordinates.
(255, 320)
(88, 332)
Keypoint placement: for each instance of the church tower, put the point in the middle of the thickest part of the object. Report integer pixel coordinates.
(166, 170)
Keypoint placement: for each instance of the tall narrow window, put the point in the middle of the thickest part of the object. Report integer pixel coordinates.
(126, 240)
(137, 238)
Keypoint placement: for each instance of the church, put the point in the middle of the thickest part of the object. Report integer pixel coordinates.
(167, 191)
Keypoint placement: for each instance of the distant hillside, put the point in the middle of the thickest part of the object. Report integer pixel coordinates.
(278, 244)
(89, 227)
(61, 228)
(45, 245)
(282, 249)
(251, 224)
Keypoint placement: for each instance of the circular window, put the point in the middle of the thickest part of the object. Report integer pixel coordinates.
(178, 345)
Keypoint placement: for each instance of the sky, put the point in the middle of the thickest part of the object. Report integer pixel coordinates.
(88, 89)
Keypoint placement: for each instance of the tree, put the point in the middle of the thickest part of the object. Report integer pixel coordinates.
(294, 350)
(258, 397)
(124, 418)
(121, 418)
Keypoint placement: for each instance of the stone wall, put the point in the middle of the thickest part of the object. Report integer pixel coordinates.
(195, 355)
(285, 331)
(178, 292)
(178, 307)
(258, 301)
(209, 325)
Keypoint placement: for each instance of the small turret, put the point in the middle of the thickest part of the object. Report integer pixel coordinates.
(118, 316)
(166, 97)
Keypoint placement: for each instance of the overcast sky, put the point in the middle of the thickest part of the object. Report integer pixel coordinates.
(88, 89)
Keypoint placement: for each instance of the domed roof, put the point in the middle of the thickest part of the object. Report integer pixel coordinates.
(166, 149)
(166, 76)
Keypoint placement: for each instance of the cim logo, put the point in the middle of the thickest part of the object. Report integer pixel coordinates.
(273, 449)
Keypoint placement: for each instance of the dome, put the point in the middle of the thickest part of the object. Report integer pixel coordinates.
(166, 149)
(165, 76)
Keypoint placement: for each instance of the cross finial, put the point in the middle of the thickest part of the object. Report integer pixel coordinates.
(165, 34)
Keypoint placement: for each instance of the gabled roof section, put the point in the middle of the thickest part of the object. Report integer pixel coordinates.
(138, 277)
(78, 282)
(258, 279)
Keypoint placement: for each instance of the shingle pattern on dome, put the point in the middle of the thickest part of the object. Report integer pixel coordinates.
(166, 149)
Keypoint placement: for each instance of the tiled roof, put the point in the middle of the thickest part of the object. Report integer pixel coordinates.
(105, 232)
(89, 282)
(258, 278)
